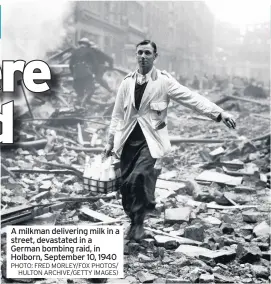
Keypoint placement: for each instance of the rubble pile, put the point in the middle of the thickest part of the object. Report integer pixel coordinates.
(211, 223)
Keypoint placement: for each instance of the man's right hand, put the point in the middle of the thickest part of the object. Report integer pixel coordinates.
(107, 150)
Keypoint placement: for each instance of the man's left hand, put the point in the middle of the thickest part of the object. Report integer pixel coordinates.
(228, 120)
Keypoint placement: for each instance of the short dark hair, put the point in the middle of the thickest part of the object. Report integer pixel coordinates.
(147, 41)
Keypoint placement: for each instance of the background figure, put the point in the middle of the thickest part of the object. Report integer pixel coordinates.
(100, 68)
(205, 82)
(82, 64)
(195, 84)
(183, 79)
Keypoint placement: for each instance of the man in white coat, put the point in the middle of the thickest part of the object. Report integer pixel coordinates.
(138, 131)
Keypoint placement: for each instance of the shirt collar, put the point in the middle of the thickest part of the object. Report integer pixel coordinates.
(141, 79)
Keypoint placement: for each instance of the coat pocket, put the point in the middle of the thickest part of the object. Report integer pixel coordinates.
(158, 109)
(158, 112)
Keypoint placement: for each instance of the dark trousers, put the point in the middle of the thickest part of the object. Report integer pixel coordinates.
(84, 87)
(139, 180)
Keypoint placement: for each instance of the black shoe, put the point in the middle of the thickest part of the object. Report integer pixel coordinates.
(130, 233)
(139, 232)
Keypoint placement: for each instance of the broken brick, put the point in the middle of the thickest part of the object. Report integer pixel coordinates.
(260, 271)
(225, 241)
(262, 246)
(244, 189)
(177, 215)
(144, 258)
(217, 152)
(203, 194)
(251, 217)
(166, 260)
(40, 196)
(248, 148)
(45, 186)
(146, 277)
(178, 233)
(206, 278)
(212, 221)
(246, 230)
(95, 216)
(248, 253)
(195, 274)
(191, 251)
(222, 256)
(194, 232)
(220, 278)
(166, 242)
(262, 229)
(219, 178)
(169, 185)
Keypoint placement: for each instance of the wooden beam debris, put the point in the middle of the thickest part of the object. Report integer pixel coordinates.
(230, 97)
(248, 100)
(179, 239)
(265, 136)
(85, 198)
(119, 219)
(94, 216)
(261, 116)
(229, 199)
(84, 149)
(68, 167)
(180, 139)
(213, 205)
(42, 171)
(6, 171)
(37, 144)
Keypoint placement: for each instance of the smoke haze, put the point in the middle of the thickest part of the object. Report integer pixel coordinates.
(31, 29)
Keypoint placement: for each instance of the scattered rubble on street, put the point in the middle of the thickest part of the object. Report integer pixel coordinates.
(212, 222)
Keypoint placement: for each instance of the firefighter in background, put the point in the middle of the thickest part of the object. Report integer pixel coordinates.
(103, 59)
(82, 64)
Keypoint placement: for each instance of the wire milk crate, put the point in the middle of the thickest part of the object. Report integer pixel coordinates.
(98, 186)
(102, 177)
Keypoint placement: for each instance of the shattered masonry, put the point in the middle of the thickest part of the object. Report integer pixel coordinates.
(213, 197)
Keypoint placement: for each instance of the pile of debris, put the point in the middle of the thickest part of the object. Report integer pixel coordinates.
(221, 234)
(211, 223)
(212, 230)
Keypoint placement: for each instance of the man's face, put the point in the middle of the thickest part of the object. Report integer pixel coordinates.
(145, 56)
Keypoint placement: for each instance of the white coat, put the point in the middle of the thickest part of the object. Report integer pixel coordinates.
(152, 113)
